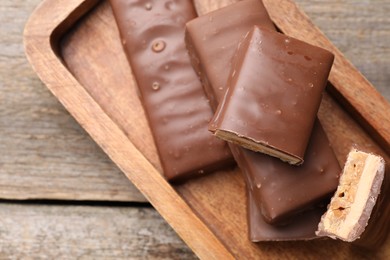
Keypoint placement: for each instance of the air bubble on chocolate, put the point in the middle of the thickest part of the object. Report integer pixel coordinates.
(307, 57)
(258, 185)
(156, 86)
(158, 46)
(201, 171)
(148, 6)
(311, 85)
(289, 80)
(287, 40)
(278, 112)
(169, 5)
(290, 53)
(166, 67)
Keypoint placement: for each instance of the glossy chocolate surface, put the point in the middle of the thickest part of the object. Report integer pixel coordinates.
(178, 111)
(274, 92)
(271, 175)
(219, 32)
(301, 227)
(283, 190)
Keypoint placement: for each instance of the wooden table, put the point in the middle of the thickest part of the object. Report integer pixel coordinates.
(61, 197)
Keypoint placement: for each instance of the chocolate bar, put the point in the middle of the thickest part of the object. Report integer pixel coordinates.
(273, 95)
(211, 56)
(282, 190)
(220, 31)
(177, 109)
(301, 227)
(359, 210)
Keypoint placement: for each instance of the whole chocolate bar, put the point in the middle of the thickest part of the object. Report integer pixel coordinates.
(359, 211)
(273, 94)
(268, 177)
(177, 109)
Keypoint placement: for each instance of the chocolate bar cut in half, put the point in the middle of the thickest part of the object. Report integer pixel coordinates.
(280, 190)
(273, 94)
(359, 209)
(177, 109)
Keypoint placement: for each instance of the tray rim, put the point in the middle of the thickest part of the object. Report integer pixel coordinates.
(41, 35)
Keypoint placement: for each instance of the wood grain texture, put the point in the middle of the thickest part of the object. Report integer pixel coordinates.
(43, 31)
(349, 86)
(361, 31)
(210, 219)
(33, 231)
(44, 153)
(44, 140)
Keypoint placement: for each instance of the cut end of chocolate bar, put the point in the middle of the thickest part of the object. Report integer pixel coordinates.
(257, 146)
(350, 209)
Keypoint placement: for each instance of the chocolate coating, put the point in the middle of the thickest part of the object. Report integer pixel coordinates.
(301, 227)
(378, 227)
(273, 95)
(282, 190)
(220, 31)
(177, 109)
(279, 182)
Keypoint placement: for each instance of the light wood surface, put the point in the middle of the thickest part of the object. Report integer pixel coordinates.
(33, 231)
(47, 155)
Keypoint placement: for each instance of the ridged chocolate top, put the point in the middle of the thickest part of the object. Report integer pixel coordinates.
(178, 111)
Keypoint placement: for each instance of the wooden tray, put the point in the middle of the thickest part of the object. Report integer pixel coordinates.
(75, 49)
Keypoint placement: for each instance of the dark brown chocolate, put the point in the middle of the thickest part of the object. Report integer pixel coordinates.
(178, 111)
(277, 186)
(273, 94)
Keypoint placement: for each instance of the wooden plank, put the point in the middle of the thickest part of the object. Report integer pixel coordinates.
(86, 232)
(44, 153)
(360, 30)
